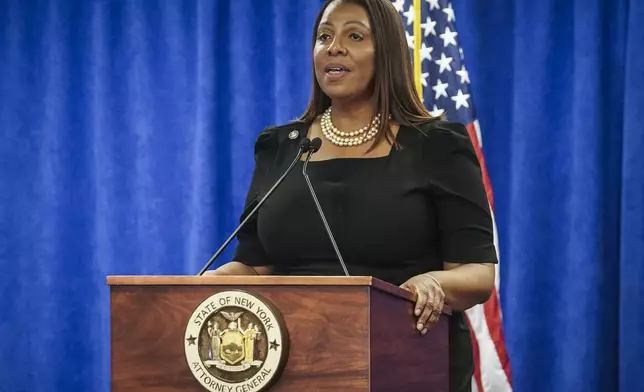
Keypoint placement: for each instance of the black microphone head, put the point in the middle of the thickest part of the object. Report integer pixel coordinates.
(305, 144)
(315, 144)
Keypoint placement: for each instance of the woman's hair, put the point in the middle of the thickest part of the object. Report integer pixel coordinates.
(393, 84)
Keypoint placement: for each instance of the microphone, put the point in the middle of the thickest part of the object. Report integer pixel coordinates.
(314, 147)
(305, 145)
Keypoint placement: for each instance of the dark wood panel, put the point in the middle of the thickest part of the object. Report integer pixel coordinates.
(241, 280)
(420, 361)
(262, 280)
(328, 328)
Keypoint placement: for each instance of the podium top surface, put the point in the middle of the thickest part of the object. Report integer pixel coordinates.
(269, 280)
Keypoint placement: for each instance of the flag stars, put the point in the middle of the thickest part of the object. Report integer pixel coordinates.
(399, 5)
(433, 4)
(465, 76)
(444, 63)
(410, 14)
(460, 99)
(450, 13)
(440, 89)
(436, 112)
(410, 40)
(425, 52)
(449, 37)
(423, 78)
(429, 27)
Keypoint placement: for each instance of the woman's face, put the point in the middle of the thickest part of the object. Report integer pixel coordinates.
(344, 52)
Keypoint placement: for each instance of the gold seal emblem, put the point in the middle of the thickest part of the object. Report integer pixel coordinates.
(235, 341)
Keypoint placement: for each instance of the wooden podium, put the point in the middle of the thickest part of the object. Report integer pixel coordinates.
(342, 334)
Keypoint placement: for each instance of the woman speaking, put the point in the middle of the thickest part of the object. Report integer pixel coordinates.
(402, 191)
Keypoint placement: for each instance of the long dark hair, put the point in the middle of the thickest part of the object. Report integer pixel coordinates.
(393, 84)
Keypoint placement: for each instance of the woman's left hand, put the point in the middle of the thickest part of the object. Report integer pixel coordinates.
(429, 301)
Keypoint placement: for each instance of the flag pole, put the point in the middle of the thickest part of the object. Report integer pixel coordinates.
(417, 42)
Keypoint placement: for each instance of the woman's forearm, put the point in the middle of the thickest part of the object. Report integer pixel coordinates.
(465, 285)
(237, 268)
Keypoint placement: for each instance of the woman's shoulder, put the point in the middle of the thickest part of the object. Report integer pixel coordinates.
(442, 134)
(442, 129)
(271, 138)
(440, 139)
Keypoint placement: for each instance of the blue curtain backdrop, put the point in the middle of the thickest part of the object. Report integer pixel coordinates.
(126, 138)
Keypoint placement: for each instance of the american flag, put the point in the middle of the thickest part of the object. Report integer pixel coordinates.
(442, 77)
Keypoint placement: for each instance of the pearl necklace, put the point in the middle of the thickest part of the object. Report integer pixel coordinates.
(348, 139)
